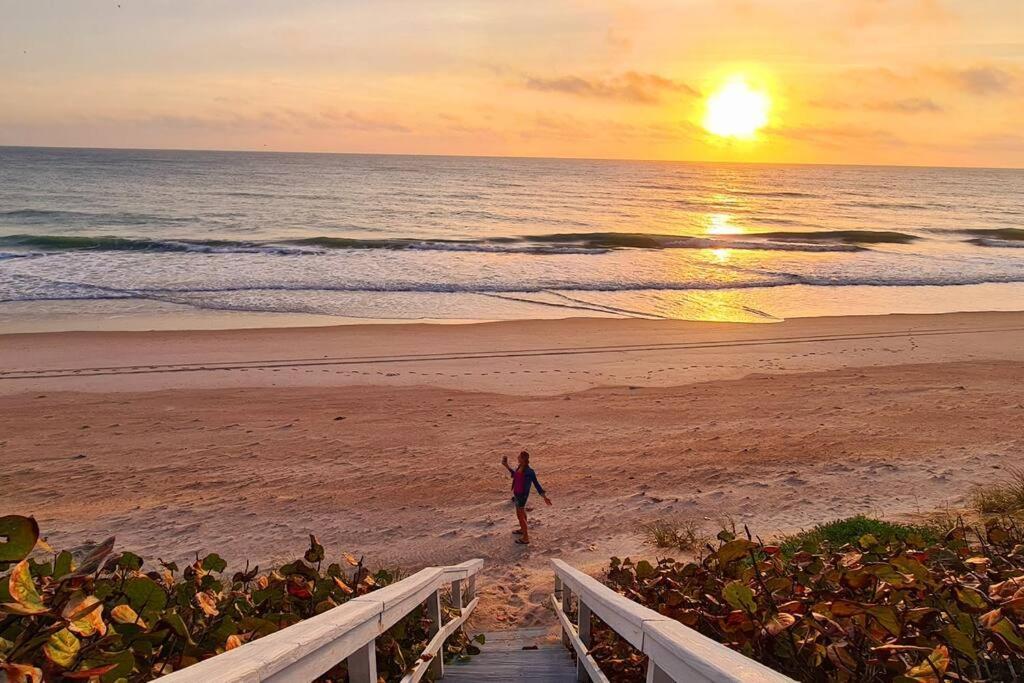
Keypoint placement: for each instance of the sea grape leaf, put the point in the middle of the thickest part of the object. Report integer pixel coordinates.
(177, 624)
(129, 561)
(90, 673)
(970, 598)
(207, 603)
(85, 614)
(124, 614)
(931, 670)
(94, 559)
(886, 616)
(62, 648)
(960, 641)
(63, 564)
(739, 596)
(779, 623)
(23, 589)
(20, 673)
(144, 594)
(1004, 628)
(214, 563)
(644, 569)
(125, 661)
(316, 552)
(733, 550)
(18, 536)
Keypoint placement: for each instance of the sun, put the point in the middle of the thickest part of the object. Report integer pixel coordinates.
(736, 110)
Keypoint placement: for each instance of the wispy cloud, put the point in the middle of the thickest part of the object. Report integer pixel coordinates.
(632, 86)
(983, 80)
(907, 105)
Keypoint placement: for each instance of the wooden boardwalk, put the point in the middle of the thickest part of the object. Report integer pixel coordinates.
(502, 658)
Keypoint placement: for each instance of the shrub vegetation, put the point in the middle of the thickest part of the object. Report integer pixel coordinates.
(894, 603)
(105, 617)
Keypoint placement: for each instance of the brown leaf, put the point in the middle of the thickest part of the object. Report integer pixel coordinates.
(779, 623)
(208, 603)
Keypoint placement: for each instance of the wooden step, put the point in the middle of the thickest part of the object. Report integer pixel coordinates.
(502, 658)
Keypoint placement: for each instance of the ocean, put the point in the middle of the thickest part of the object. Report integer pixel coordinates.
(147, 238)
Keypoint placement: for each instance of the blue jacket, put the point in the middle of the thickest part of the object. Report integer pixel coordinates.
(531, 478)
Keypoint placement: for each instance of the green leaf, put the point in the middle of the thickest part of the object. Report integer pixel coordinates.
(887, 618)
(63, 564)
(62, 648)
(125, 661)
(214, 563)
(1005, 629)
(644, 569)
(144, 594)
(734, 550)
(129, 561)
(480, 638)
(960, 642)
(177, 624)
(315, 553)
(739, 596)
(18, 536)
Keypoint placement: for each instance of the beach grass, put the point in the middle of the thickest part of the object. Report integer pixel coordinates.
(681, 534)
(849, 530)
(1000, 497)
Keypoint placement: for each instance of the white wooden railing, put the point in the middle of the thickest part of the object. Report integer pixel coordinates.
(674, 652)
(305, 650)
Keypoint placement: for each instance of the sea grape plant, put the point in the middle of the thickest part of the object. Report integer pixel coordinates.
(894, 610)
(110, 617)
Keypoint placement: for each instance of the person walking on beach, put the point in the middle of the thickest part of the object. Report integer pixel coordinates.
(523, 477)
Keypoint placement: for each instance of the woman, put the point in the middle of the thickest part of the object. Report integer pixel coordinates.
(522, 477)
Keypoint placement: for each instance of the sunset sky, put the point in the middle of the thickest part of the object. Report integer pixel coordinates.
(921, 82)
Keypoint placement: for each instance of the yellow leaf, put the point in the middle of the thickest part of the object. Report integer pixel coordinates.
(938, 661)
(207, 603)
(351, 560)
(124, 614)
(233, 642)
(23, 589)
(343, 586)
(85, 614)
(62, 648)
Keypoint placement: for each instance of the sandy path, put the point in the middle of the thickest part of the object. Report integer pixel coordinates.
(410, 475)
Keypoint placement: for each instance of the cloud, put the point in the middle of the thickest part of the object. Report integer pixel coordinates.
(907, 105)
(983, 80)
(632, 86)
(836, 136)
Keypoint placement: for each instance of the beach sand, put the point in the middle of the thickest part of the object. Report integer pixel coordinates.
(385, 440)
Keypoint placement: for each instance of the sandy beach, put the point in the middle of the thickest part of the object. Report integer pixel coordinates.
(385, 440)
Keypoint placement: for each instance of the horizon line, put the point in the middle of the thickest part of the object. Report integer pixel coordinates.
(507, 156)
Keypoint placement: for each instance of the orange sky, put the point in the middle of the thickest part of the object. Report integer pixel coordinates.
(922, 82)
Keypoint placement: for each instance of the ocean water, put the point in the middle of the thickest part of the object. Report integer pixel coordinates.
(94, 234)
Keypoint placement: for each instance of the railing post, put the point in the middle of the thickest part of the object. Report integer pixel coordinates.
(655, 674)
(584, 630)
(457, 594)
(471, 589)
(566, 604)
(434, 614)
(362, 664)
